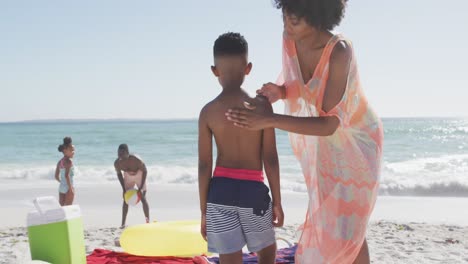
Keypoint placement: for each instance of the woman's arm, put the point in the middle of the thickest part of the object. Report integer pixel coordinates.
(340, 60)
(316, 126)
(253, 119)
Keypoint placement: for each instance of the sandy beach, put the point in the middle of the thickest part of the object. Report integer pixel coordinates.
(402, 229)
(389, 242)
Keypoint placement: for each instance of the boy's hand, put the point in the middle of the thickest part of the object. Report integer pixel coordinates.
(203, 227)
(278, 215)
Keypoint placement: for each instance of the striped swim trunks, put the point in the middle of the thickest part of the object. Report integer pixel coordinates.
(239, 212)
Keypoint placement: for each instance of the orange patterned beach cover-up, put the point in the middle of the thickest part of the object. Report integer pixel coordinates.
(341, 171)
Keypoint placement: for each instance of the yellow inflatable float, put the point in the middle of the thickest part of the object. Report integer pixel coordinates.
(175, 238)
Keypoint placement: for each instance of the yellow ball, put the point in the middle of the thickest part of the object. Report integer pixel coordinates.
(132, 197)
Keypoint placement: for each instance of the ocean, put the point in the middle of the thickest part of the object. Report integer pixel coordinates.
(422, 156)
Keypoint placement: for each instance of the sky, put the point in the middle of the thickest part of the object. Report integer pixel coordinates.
(115, 59)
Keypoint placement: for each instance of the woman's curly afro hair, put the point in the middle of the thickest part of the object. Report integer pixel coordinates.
(321, 14)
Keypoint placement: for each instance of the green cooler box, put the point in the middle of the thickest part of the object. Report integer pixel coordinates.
(56, 233)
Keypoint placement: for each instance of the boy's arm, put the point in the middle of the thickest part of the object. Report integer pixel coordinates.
(271, 164)
(205, 159)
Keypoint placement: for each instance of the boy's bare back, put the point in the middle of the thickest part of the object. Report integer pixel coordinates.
(237, 181)
(236, 147)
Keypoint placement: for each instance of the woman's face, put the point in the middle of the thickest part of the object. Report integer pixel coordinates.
(69, 152)
(296, 28)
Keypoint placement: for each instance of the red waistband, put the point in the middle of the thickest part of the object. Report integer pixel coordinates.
(238, 174)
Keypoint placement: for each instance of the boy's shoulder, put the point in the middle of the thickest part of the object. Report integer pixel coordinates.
(261, 99)
(209, 107)
(261, 102)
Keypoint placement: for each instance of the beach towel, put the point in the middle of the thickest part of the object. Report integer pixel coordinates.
(103, 256)
(283, 256)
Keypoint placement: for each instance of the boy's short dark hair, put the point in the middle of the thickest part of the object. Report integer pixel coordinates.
(322, 14)
(230, 44)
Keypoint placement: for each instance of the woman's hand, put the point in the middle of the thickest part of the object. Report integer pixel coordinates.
(250, 117)
(272, 91)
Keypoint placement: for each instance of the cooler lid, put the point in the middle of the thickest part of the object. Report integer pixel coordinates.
(49, 211)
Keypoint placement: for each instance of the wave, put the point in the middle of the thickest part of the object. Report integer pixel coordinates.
(442, 176)
(451, 189)
(83, 174)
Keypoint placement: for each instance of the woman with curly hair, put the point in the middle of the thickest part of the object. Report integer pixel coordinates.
(334, 133)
